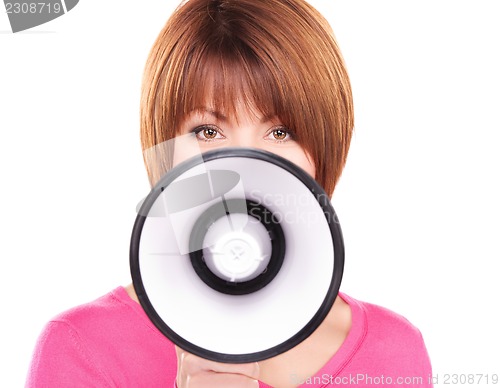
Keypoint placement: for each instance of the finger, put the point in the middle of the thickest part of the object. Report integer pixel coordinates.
(219, 380)
(250, 370)
(192, 364)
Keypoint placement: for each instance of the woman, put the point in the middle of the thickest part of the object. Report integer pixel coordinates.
(247, 73)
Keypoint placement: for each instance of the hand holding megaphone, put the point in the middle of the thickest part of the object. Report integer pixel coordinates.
(197, 372)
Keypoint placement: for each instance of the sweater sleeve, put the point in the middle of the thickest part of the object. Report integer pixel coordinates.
(61, 359)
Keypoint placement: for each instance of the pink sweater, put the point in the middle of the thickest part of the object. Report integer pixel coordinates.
(111, 343)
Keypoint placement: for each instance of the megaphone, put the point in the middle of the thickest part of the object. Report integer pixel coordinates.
(237, 256)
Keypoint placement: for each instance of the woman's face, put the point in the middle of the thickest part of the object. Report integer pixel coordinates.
(248, 128)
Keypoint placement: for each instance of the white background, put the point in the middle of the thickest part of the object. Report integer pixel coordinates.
(418, 201)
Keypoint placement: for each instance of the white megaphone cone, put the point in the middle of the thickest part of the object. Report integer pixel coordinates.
(233, 264)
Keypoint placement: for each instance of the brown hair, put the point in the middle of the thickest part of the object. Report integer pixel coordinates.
(280, 56)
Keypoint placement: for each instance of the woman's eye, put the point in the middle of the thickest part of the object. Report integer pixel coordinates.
(280, 134)
(207, 133)
(210, 133)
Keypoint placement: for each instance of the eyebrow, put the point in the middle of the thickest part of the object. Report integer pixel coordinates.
(219, 116)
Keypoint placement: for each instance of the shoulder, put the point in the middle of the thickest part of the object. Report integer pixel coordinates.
(98, 315)
(65, 350)
(106, 342)
(382, 321)
(387, 340)
(107, 323)
(95, 323)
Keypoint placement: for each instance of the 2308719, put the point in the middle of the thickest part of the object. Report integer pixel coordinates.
(26, 8)
(470, 379)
